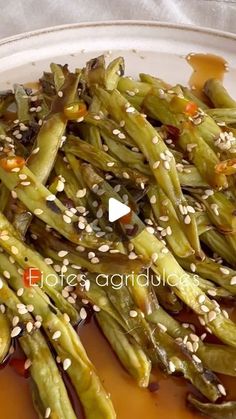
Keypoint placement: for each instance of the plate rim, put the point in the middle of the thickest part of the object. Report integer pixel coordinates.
(116, 23)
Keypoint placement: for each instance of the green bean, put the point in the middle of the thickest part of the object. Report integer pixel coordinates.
(51, 391)
(22, 103)
(128, 351)
(226, 115)
(226, 410)
(113, 73)
(5, 337)
(218, 94)
(156, 153)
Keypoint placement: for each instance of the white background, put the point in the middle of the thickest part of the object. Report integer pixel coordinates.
(24, 15)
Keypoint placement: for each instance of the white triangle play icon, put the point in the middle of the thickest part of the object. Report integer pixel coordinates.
(116, 210)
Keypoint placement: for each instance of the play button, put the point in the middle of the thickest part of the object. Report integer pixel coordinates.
(116, 210)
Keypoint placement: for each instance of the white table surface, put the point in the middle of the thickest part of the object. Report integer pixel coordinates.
(24, 15)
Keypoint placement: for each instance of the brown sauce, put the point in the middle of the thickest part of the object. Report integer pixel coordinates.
(205, 66)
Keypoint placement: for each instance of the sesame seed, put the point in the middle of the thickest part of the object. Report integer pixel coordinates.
(155, 140)
(194, 337)
(196, 359)
(205, 309)
(166, 165)
(162, 327)
(66, 317)
(224, 271)
(2, 308)
(6, 274)
(164, 218)
(25, 183)
(38, 211)
(164, 250)
(62, 253)
(48, 410)
(189, 346)
(203, 336)
(201, 298)
(150, 230)
(56, 335)
(20, 292)
(28, 364)
(171, 366)
(133, 313)
(38, 324)
(212, 293)
(211, 316)
(96, 308)
(81, 193)
(221, 389)
(94, 260)
(60, 186)
(15, 332)
(83, 313)
(187, 219)
(22, 176)
(193, 269)
(125, 175)
(233, 280)
(104, 248)
(13, 194)
(156, 164)
(154, 257)
(67, 219)
(36, 150)
(225, 314)
(14, 250)
(60, 93)
(130, 109)
(66, 364)
(15, 321)
(29, 327)
(51, 197)
(153, 199)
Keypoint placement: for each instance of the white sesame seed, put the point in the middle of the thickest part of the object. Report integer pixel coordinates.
(14, 250)
(156, 164)
(83, 313)
(66, 364)
(133, 313)
(130, 109)
(67, 219)
(187, 219)
(104, 248)
(28, 364)
(15, 332)
(13, 194)
(196, 359)
(38, 211)
(211, 316)
(29, 327)
(22, 176)
(153, 199)
(233, 280)
(225, 314)
(94, 260)
(20, 292)
(201, 298)
(25, 183)
(205, 309)
(194, 337)
(56, 335)
(51, 197)
(155, 140)
(172, 366)
(212, 293)
(221, 389)
(224, 271)
(6, 274)
(150, 230)
(162, 327)
(48, 410)
(15, 321)
(193, 269)
(62, 253)
(81, 193)
(96, 308)
(60, 186)
(189, 346)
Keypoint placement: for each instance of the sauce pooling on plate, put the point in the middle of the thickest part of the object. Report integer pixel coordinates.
(205, 66)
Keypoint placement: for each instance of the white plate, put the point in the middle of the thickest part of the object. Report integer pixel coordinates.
(153, 47)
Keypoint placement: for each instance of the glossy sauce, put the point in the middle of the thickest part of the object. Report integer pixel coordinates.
(205, 66)
(129, 400)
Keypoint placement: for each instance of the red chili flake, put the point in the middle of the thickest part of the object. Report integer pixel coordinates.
(18, 364)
